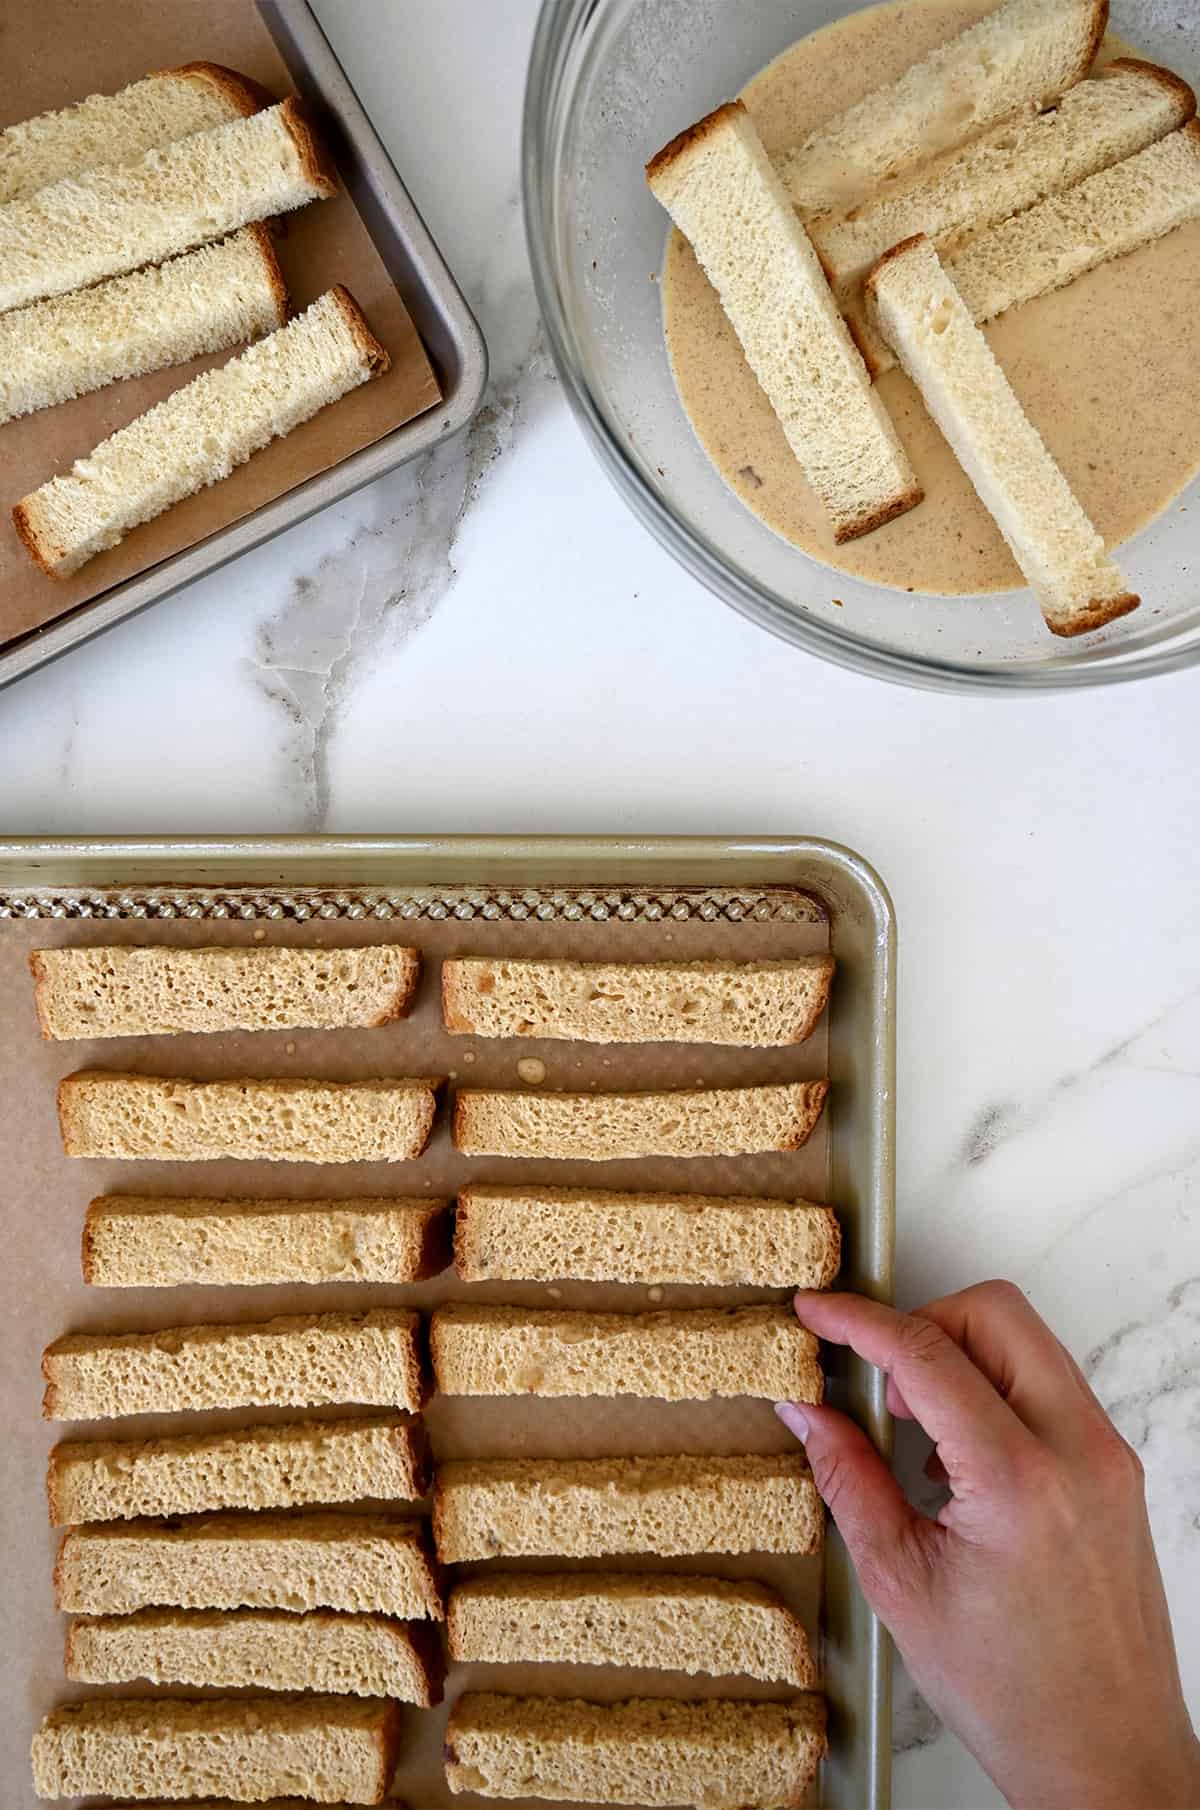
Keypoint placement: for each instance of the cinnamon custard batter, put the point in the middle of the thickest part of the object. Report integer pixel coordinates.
(1108, 369)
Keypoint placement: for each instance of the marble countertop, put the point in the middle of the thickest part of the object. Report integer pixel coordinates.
(487, 640)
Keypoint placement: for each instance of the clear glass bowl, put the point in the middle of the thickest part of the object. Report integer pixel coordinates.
(609, 82)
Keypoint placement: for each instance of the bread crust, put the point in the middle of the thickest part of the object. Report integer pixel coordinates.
(459, 1115)
(265, 246)
(1099, 27)
(315, 160)
(87, 1244)
(818, 1092)
(435, 1250)
(400, 1003)
(1166, 79)
(37, 969)
(899, 250)
(691, 136)
(1096, 615)
(239, 90)
(462, 1236)
(375, 357)
(452, 1017)
(387, 1748)
(875, 518)
(31, 541)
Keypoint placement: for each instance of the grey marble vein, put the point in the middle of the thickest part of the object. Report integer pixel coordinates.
(382, 585)
(1140, 1363)
(999, 1122)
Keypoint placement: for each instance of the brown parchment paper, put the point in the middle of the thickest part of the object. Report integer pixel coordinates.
(44, 1195)
(54, 53)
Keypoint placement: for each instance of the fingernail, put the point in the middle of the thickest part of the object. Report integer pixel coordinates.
(793, 1417)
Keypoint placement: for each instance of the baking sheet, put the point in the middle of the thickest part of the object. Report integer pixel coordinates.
(47, 1195)
(54, 54)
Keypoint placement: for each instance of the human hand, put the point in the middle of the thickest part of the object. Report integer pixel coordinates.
(1031, 1612)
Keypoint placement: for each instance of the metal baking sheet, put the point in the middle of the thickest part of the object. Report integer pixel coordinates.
(674, 897)
(446, 325)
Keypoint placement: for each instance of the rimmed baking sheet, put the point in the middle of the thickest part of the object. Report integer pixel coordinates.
(788, 914)
(370, 238)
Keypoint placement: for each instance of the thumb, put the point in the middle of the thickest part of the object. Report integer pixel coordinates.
(883, 1535)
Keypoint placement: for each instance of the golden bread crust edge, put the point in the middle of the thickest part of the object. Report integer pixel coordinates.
(244, 94)
(1096, 614)
(265, 246)
(691, 136)
(453, 1019)
(31, 539)
(1092, 47)
(876, 518)
(41, 981)
(899, 250)
(315, 159)
(401, 1001)
(374, 355)
(812, 1105)
(1165, 79)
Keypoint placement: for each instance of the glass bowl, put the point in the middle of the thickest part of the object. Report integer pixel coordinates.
(610, 81)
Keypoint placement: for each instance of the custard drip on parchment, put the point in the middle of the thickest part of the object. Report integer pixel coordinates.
(1108, 369)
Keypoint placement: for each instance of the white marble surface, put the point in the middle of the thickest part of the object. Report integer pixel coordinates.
(491, 642)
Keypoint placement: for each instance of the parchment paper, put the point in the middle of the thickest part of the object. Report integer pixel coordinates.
(44, 1196)
(56, 52)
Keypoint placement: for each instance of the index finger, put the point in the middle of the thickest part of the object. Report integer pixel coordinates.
(971, 1424)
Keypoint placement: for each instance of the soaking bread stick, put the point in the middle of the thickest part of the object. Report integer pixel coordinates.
(111, 991)
(491, 1508)
(258, 1649)
(646, 1750)
(120, 128)
(728, 1121)
(289, 1464)
(1127, 107)
(718, 185)
(917, 308)
(642, 1619)
(361, 1563)
(1112, 213)
(297, 1361)
(1022, 54)
(594, 1235)
(205, 301)
(248, 1748)
(139, 1241)
(200, 433)
(1107, 216)
(102, 222)
(671, 1354)
(105, 1113)
(755, 1004)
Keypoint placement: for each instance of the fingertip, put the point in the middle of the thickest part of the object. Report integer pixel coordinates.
(809, 1302)
(794, 1418)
